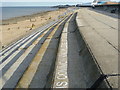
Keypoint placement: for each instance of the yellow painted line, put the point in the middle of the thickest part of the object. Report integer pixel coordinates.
(15, 66)
(61, 76)
(30, 72)
(14, 54)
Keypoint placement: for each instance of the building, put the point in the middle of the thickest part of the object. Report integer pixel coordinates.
(108, 3)
(100, 1)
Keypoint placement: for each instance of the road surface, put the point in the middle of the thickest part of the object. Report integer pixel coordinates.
(71, 52)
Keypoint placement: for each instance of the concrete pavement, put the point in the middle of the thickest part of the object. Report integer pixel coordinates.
(100, 32)
(71, 53)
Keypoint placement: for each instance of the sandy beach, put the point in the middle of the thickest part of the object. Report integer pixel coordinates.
(13, 29)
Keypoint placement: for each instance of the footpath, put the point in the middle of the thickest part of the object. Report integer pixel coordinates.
(100, 33)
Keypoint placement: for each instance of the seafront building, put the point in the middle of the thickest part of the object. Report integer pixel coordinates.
(101, 0)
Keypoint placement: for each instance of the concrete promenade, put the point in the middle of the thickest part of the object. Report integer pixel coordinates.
(100, 32)
(71, 52)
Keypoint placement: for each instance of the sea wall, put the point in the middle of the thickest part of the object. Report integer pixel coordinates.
(113, 8)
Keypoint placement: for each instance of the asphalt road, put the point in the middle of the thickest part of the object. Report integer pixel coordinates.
(19, 58)
(71, 52)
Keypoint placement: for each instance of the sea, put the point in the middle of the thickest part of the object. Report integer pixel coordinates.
(10, 12)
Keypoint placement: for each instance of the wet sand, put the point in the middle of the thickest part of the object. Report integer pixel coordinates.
(13, 29)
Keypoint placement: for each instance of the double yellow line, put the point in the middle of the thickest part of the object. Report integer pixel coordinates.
(32, 69)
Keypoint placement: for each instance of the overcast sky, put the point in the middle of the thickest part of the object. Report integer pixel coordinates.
(46, 0)
(42, 2)
(49, 0)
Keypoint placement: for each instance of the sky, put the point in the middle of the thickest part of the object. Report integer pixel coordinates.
(43, 2)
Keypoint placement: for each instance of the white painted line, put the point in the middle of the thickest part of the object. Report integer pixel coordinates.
(30, 72)
(15, 53)
(7, 53)
(26, 38)
(61, 77)
(11, 46)
(14, 67)
(22, 45)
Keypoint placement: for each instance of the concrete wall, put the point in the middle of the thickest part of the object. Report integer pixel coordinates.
(115, 8)
(109, 8)
(90, 71)
(89, 65)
